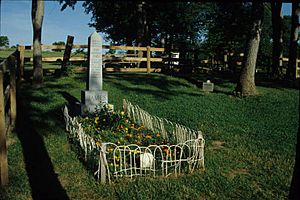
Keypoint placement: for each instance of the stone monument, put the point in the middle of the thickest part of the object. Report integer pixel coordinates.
(94, 97)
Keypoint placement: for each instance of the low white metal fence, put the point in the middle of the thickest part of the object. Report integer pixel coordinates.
(111, 162)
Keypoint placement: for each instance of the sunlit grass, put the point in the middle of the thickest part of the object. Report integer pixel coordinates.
(249, 152)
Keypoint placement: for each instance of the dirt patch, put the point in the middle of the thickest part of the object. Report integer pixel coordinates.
(236, 172)
(217, 144)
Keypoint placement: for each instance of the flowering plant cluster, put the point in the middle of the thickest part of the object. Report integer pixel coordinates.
(106, 125)
(109, 126)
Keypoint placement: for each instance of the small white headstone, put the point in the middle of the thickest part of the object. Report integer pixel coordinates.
(207, 86)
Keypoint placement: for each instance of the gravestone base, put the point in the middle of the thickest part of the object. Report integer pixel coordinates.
(92, 100)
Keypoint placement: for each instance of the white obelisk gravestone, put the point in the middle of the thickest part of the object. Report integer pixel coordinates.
(94, 97)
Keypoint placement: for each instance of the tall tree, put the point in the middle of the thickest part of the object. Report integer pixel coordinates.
(140, 28)
(141, 23)
(127, 22)
(227, 30)
(246, 84)
(291, 71)
(37, 15)
(277, 21)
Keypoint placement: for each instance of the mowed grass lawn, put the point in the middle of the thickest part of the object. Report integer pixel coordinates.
(249, 150)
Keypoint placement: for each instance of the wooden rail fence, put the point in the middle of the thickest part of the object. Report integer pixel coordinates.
(8, 108)
(238, 62)
(107, 58)
(226, 61)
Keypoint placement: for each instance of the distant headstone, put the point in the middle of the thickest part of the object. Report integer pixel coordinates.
(207, 86)
(94, 97)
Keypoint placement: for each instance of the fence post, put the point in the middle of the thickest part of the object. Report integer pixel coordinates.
(21, 50)
(148, 59)
(3, 149)
(102, 163)
(67, 53)
(297, 69)
(225, 61)
(124, 105)
(12, 90)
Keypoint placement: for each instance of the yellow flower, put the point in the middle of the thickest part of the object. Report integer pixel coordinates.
(126, 129)
(118, 142)
(157, 135)
(122, 113)
(96, 120)
(134, 151)
(98, 143)
(148, 137)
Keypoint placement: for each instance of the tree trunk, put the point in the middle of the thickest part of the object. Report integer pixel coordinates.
(37, 14)
(170, 48)
(140, 29)
(146, 36)
(291, 71)
(246, 84)
(277, 38)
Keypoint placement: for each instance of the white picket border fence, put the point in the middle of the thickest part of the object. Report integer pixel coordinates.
(113, 161)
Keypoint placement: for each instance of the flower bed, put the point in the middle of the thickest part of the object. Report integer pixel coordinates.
(119, 144)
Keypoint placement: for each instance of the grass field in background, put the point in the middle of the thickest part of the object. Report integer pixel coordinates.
(249, 151)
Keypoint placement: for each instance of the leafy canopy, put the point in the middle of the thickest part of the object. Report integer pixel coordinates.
(4, 42)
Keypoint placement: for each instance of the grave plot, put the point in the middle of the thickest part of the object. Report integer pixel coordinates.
(134, 143)
(129, 143)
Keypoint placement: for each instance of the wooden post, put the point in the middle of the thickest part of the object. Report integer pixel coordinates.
(3, 150)
(226, 61)
(124, 105)
(102, 163)
(297, 69)
(212, 62)
(21, 50)
(13, 101)
(67, 53)
(148, 59)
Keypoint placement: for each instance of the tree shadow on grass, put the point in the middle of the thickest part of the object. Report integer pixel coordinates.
(43, 180)
(159, 86)
(74, 103)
